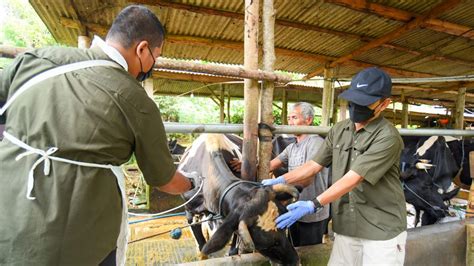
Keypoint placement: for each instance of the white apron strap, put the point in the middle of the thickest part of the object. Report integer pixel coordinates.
(55, 72)
(122, 240)
(46, 158)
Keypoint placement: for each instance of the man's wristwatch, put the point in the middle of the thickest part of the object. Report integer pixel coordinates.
(317, 205)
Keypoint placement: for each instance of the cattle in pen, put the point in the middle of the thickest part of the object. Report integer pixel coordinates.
(248, 209)
(428, 168)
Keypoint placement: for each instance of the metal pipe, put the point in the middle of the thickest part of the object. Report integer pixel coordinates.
(238, 129)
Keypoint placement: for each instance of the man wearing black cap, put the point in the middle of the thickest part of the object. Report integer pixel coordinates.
(368, 204)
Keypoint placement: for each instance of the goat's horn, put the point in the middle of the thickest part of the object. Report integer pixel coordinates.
(287, 189)
(245, 236)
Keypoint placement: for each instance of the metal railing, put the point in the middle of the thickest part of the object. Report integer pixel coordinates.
(239, 128)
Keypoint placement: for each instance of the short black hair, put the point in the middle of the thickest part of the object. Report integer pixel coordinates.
(134, 24)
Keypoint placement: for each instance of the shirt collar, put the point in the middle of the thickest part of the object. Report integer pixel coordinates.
(110, 51)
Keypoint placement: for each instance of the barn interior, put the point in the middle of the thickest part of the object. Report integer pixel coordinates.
(426, 46)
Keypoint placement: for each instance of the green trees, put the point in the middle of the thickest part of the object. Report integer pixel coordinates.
(20, 25)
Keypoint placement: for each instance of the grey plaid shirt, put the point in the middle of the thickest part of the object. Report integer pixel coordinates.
(299, 153)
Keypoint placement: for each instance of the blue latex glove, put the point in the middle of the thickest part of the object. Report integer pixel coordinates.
(295, 212)
(274, 181)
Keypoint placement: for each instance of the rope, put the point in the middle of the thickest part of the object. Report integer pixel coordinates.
(215, 217)
(172, 209)
(230, 187)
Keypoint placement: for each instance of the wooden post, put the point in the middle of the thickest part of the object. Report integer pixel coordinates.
(342, 109)
(404, 111)
(249, 146)
(334, 116)
(83, 42)
(266, 114)
(228, 106)
(221, 105)
(284, 107)
(328, 97)
(459, 110)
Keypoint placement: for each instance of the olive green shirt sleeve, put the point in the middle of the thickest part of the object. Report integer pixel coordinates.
(6, 77)
(377, 159)
(151, 145)
(324, 154)
(151, 151)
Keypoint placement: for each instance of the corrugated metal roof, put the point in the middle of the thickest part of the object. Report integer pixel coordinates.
(323, 28)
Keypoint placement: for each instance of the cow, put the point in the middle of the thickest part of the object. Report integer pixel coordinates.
(247, 208)
(175, 148)
(461, 150)
(428, 168)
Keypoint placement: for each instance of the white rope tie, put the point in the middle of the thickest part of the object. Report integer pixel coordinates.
(46, 158)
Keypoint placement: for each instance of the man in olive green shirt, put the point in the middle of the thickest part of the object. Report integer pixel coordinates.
(368, 204)
(98, 115)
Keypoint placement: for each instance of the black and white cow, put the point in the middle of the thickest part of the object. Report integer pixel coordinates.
(428, 168)
(461, 150)
(248, 208)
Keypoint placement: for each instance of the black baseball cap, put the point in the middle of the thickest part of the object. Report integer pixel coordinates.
(368, 86)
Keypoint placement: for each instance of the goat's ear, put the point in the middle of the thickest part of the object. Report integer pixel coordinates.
(223, 234)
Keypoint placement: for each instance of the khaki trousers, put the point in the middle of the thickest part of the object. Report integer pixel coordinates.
(358, 251)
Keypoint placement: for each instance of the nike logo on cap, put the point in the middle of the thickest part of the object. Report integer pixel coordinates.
(362, 85)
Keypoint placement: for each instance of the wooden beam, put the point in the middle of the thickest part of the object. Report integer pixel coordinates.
(437, 10)
(11, 52)
(323, 59)
(76, 24)
(302, 26)
(405, 16)
(102, 31)
(160, 74)
(222, 70)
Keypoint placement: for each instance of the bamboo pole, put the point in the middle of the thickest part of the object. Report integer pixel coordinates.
(266, 114)
(249, 147)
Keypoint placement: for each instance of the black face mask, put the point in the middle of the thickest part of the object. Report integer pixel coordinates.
(142, 75)
(359, 113)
